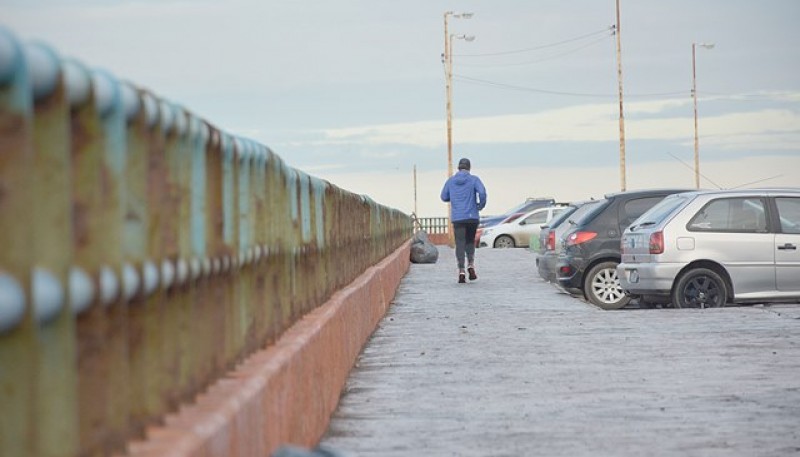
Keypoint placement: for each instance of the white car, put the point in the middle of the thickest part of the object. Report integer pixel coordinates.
(709, 248)
(518, 233)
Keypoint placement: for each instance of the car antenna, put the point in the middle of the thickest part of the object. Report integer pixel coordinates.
(756, 182)
(692, 168)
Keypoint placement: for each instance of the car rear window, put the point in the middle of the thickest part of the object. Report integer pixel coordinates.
(588, 211)
(634, 208)
(661, 210)
(562, 216)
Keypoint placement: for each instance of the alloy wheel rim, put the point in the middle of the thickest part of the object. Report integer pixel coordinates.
(606, 287)
(702, 292)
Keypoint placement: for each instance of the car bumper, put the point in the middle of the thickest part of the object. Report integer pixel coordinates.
(486, 241)
(648, 278)
(568, 276)
(547, 267)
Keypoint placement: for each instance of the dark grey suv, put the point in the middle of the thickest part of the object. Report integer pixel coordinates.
(590, 250)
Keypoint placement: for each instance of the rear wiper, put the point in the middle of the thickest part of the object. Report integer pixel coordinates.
(643, 224)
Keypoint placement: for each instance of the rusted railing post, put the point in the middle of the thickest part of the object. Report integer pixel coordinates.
(17, 333)
(56, 375)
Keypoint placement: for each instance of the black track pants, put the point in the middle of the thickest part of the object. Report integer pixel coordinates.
(465, 241)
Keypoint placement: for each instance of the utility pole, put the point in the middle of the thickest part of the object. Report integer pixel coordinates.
(447, 60)
(416, 214)
(621, 115)
(448, 67)
(694, 96)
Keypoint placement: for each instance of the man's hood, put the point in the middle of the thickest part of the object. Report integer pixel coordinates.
(461, 178)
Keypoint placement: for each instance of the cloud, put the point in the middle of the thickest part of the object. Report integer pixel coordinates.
(582, 123)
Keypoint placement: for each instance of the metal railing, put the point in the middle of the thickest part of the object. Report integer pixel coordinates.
(434, 224)
(143, 252)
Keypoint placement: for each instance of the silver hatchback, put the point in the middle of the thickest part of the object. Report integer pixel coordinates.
(709, 248)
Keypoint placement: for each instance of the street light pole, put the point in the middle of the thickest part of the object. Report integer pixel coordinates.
(447, 60)
(694, 97)
(448, 63)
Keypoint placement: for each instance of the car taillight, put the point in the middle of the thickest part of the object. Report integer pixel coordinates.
(551, 241)
(657, 243)
(580, 237)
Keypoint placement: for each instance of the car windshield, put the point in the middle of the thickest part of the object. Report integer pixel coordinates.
(660, 211)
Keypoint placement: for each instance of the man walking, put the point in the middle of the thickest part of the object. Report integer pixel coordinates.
(467, 196)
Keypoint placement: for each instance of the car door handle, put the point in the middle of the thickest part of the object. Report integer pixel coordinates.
(787, 246)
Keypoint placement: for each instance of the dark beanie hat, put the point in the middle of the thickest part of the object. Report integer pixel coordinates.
(464, 164)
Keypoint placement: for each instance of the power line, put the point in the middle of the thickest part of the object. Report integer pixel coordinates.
(536, 48)
(484, 82)
(544, 59)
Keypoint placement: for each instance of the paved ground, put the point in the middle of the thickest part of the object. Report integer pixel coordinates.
(508, 366)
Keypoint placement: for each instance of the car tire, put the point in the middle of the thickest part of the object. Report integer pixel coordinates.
(602, 287)
(504, 241)
(700, 288)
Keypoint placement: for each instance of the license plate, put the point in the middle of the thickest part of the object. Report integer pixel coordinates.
(633, 276)
(633, 241)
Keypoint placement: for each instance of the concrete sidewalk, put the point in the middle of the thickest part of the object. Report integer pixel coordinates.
(508, 366)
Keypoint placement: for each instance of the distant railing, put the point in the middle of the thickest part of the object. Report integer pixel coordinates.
(434, 224)
(144, 252)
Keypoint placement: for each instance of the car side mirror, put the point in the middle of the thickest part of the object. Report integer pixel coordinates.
(522, 222)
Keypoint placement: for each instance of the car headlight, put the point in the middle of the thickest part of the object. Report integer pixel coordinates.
(486, 232)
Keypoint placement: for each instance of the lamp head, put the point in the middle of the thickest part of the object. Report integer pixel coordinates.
(463, 37)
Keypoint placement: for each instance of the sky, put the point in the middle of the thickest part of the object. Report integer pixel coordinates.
(353, 91)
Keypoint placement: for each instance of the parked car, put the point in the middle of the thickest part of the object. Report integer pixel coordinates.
(479, 232)
(549, 247)
(518, 233)
(710, 248)
(528, 205)
(587, 264)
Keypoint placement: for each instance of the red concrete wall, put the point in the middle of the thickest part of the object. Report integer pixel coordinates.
(286, 393)
(439, 238)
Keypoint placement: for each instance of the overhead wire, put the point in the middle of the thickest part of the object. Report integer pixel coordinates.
(536, 48)
(484, 82)
(544, 59)
(692, 168)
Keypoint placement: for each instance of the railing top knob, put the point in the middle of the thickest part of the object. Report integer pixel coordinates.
(167, 115)
(78, 83)
(9, 56)
(106, 92)
(150, 109)
(81, 290)
(181, 124)
(130, 101)
(48, 295)
(109, 286)
(44, 67)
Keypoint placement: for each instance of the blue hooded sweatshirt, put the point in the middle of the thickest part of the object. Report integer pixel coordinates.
(461, 190)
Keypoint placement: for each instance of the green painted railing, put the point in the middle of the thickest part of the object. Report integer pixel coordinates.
(144, 252)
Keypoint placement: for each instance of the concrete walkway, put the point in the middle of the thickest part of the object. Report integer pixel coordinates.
(508, 366)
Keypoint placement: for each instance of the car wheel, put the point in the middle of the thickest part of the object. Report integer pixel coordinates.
(700, 288)
(602, 287)
(504, 241)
